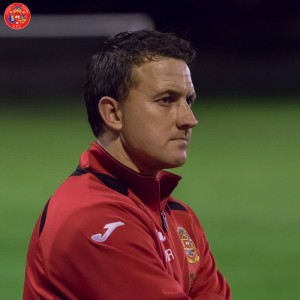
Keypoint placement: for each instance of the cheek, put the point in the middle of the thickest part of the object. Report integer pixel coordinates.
(147, 126)
(143, 136)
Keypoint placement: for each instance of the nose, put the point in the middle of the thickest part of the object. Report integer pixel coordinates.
(186, 118)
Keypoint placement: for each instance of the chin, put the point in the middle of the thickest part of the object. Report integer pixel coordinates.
(175, 164)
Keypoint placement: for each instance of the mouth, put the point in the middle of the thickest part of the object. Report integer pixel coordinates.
(184, 140)
(183, 137)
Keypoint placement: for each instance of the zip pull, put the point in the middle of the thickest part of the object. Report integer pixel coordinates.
(164, 220)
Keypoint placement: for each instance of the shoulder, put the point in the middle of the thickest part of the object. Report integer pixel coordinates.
(85, 203)
(178, 206)
(185, 216)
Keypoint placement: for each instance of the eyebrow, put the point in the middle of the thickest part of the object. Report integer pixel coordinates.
(191, 96)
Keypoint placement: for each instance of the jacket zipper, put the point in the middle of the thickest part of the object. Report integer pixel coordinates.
(164, 220)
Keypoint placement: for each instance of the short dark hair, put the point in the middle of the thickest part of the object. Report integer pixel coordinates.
(109, 72)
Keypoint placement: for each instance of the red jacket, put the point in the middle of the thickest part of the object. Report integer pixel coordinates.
(111, 233)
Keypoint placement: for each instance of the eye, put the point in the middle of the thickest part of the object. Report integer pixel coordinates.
(167, 100)
(190, 101)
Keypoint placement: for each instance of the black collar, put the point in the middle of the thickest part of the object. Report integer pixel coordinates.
(151, 190)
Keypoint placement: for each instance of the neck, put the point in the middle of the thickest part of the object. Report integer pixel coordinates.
(116, 149)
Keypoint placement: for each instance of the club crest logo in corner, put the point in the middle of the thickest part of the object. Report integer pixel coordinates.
(188, 246)
(17, 16)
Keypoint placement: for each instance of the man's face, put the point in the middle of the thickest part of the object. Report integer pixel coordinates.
(157, 119)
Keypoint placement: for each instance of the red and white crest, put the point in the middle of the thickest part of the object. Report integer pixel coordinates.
(17, 16)
(188, 246)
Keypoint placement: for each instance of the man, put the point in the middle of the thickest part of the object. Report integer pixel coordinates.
(112, 230)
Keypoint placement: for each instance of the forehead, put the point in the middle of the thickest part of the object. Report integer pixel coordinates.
(165, 73)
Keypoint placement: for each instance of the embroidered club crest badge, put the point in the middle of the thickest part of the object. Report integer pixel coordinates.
(17, 16)
(188, 246)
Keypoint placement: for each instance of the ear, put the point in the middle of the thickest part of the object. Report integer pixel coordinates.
(110, 112)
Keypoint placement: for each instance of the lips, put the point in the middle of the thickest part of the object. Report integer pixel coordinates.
(184, 138)
(182, 141)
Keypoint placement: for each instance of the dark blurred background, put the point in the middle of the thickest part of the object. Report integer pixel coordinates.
(245, 47)
(242, 175)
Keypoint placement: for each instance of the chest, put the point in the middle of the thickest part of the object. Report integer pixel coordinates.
(179, 248)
